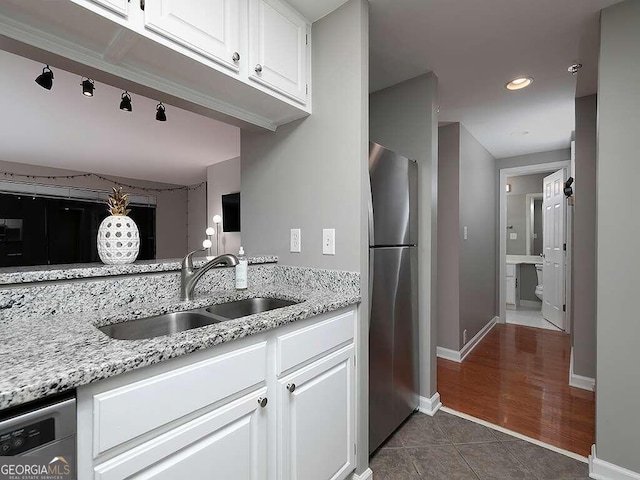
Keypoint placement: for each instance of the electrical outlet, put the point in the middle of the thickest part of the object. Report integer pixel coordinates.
(296, 240)
(329, 241)
(464, 336)
(466, 233)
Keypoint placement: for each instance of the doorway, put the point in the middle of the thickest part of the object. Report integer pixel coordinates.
(534, 246)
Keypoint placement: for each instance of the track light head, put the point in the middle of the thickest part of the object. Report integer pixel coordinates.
(87, 87)
(125, 103)
(45, 79)
(161, 116)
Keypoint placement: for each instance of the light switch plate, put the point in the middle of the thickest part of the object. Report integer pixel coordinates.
(513, 236)
(296, 240)
(328, 241)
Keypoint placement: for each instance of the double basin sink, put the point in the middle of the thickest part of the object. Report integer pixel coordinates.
(180, 321)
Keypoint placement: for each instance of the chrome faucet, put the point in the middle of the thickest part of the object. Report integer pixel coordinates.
(190, 275)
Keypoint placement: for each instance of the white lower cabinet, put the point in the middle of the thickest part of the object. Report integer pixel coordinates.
(316, 419)
(227, 443)
(274, 406)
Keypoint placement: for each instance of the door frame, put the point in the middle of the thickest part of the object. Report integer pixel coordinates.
(502, 241)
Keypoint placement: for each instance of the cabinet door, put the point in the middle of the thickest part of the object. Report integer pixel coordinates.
(120, 7)
(511, 290)
(229, 443)
(278, 38)
(208, 27)
(316, 422)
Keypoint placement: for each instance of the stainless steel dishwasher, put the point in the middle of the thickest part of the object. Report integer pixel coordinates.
(44, 427)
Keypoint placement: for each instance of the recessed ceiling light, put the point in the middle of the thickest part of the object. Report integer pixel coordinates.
(518, 83)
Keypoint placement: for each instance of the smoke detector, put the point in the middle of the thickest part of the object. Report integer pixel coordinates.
(574, 68)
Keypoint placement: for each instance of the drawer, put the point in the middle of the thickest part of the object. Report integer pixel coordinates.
(297, 347)
(511, 270)
(125, 413)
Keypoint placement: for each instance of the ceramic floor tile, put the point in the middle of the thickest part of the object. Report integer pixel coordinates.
(460, 431)
(529, 318)
(546, 464)
(393, 464)
(393, 441)
(422, 431)
(440, 463)
(504, 437)
(492, 461)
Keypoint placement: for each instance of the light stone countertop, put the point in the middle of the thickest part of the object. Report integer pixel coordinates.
(45, 273)
(47, 354)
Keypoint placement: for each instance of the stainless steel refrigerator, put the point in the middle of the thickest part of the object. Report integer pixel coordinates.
(393, 270)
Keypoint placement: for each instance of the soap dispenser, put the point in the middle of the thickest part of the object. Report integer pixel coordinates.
(241, 271)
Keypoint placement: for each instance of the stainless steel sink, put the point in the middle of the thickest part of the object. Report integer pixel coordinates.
(249, 306)
(180, 321)
(158, 326)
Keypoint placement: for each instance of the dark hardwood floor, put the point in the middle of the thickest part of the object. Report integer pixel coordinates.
(518, 378)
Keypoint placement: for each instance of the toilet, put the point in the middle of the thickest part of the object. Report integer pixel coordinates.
(539, 286)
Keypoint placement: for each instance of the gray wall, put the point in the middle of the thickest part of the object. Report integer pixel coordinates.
(197, 217)
(307, 174)
(523, 184)
(533, 159)
(449, 229)
(618, 230)
(584, 239)
(310, 174)
(404, 119)
(466, 268)
(171, 207)
(478, 201)
(528, 283)
(224, 178)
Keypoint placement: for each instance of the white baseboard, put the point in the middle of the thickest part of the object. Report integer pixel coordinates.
(601, 470)
(578, 381)
(430, 406)
(366, 475)
(456, 356)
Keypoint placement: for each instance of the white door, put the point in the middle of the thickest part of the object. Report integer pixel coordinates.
(227, 443)
(317, 420)
(120, 7)
(208, 27)
(554, 242)
(278, 38)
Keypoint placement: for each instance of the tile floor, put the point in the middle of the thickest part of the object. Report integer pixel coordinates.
(447, 447)
(529, 317)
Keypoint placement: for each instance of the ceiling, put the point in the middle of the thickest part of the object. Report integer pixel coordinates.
(476, 47)
(314, 10)
(62, 128)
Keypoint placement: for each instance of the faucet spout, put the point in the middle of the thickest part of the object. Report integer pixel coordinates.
(190, 275)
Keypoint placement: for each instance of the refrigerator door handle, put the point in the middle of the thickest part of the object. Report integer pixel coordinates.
(370, 209)
(371, 272)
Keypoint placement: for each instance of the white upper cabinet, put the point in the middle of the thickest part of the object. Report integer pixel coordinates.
(120, 7)
(208, 27)
(278, 48)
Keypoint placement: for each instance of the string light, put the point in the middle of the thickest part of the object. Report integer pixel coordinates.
(106, 179)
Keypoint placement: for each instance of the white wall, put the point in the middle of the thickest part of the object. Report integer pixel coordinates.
(404, 119)
(618, 230)
(224, 178)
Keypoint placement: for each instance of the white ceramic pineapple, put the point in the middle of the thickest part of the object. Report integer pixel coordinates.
(118, 235)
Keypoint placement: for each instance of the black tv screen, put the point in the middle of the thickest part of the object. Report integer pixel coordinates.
(231, 212)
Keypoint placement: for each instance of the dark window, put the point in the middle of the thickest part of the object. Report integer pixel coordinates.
(231, 212)
(51, 231)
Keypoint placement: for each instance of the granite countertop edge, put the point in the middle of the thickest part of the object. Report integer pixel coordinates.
(67, 371)
(47, 273)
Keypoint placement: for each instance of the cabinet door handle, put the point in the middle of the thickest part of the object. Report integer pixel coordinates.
(236, 57)
(291, 387)
(258, 68)
(262, 401)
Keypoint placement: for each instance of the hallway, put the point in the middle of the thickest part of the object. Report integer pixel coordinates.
(518, 378)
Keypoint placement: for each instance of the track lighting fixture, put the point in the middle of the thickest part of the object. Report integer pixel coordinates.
(125, 103)
(87, 87)
(45, 79)
(161, 116)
